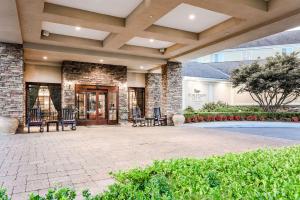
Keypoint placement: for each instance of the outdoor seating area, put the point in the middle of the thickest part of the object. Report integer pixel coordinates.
(156, 120)
(36, 118)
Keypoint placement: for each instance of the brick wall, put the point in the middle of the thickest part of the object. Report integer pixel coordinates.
(12, 81)
(93, 74)
(152, 92)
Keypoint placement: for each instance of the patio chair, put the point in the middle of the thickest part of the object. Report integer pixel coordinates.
(137, 117)
(159, 120)
(68, 118)
(34, 118)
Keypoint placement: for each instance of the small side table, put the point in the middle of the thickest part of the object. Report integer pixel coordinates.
(48, 123)
(149, 121)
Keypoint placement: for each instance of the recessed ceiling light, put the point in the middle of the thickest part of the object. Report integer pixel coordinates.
(151, 40)
(151, 16)
(45, 57)
(101, 60)
(192, 16)
(142, 67)
(77, 28)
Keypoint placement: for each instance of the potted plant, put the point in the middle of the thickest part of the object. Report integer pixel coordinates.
(178, 118)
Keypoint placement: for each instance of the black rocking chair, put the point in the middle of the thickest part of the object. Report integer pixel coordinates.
(34, 118)
(158, 119)
(68, 118)
(137, 117)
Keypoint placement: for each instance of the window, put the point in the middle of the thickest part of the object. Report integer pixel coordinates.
(287, 50)
(45, 96)
(218, 57)
(247, 55)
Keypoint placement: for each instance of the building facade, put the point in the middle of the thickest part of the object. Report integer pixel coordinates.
(100, 93)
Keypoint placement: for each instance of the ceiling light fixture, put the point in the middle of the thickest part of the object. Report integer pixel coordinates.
(151, 40)
(45, 57)
(142, 67)
(77, 28)
(101, 60)
(192, 16)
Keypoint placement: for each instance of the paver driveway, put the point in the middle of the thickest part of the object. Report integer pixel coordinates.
(83, 158)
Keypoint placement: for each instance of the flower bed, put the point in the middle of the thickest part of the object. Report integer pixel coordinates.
(241, 116)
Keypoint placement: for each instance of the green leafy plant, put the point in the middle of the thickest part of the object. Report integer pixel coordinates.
(3, 194)
(262, 174)
(55, 194)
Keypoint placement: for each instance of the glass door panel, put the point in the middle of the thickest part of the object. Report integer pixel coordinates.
(112, 96)
(81, 105)
(102, 106)
(91, 106)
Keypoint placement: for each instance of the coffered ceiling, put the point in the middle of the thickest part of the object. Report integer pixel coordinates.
(146, 32)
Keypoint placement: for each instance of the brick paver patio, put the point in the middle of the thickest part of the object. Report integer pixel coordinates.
(83, 158)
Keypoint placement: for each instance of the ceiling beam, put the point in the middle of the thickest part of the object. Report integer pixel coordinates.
(80, 42)
(146, 14)
(76, 17)
(169, 34)
(98, 54)
(235, 8)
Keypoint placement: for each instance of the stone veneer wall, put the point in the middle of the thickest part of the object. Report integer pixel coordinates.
(12, 102)
(171, 99)
(152, 92)
(93, 74)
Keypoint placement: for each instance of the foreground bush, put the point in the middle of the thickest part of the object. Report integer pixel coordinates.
(262, 174)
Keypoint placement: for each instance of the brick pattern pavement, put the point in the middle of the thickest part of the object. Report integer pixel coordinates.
(82, 159)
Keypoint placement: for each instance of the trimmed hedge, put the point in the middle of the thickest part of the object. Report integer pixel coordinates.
(238, 116)
(262, 174)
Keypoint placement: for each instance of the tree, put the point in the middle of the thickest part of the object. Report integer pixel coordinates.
(271, 84)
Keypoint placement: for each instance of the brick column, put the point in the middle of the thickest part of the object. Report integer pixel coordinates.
(12, 103)
(171, 98)
(152, 92)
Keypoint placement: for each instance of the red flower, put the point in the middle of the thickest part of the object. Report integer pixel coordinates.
(295, 119)
(200, 118)
(218, 118)
(237, 118)
(230, 118)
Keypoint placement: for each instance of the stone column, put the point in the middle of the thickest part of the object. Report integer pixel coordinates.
(171, 98)
(152, 92)
(12, 101)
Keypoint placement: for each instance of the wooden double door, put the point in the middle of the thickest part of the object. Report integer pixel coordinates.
(97, 105)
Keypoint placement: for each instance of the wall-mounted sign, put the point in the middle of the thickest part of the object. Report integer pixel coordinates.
(196, 95)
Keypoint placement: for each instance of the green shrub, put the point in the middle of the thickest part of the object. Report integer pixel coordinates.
(189, 109)
(55, 194)
(262, 174)
(270, 116)
(3, 194)
(223, 107)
